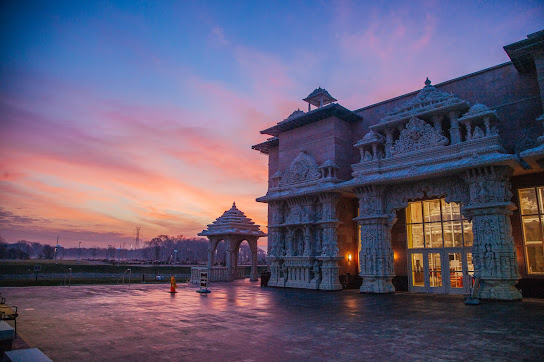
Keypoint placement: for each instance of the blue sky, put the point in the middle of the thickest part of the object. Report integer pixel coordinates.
(122, 114)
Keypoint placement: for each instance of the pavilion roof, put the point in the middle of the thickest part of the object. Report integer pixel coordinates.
(427, 101)
(264, 147)
(317, 94)
(233, 221)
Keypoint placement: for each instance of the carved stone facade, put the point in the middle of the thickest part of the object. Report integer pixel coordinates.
(335, 212)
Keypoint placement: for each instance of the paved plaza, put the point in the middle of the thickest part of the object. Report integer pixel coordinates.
(242, 321)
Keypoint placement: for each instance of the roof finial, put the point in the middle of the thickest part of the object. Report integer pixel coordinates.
(233, 204)
(427, 82)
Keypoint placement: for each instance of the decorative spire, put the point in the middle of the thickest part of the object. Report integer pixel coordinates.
(427, 82)
(234, 204)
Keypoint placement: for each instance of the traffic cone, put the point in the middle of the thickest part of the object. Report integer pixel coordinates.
(173, 284)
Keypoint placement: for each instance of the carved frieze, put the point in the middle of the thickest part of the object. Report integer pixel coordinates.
(453, 189)
(304, 168)
(418, 135)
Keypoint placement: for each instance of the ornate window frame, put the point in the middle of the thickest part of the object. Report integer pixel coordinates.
(539, 196)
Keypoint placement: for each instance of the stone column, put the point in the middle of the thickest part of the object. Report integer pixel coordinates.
(289, 247)
(253, 276)
(329, 256)
(493, 252)
(376, 255)
(307, 240)
(211, 247)
(455, 133)
(231, 268)
(388, 141)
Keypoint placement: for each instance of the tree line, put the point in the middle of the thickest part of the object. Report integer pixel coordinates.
(161, 249)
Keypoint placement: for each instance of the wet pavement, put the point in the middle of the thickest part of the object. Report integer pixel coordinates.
(242, 321)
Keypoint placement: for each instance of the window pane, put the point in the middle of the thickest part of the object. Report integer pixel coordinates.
(433, 235)
(414, 213)
(435, 270)
(467, 233)
(528, 203)
(453, 234)
(532, 230)
(535, 259)
(456, 270)
(431, 210)
(417, 270)
(415, 236)
(450, 211)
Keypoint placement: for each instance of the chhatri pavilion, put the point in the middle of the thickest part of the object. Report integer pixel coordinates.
(233, 227)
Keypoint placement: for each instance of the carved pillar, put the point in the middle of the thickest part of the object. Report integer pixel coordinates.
(235, 254)
(253, 276)
(437, 122)
(231, 268)
(455, 133)
(388, 141)
(376, 255)
(289, 242)
(211, 249)
(493, 252)
(307, 240)
(468, 125)
(329, 254)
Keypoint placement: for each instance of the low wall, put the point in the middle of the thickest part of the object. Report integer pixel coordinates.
(215, 274)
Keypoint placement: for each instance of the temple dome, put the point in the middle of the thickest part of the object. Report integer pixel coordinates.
(296, 114)
(233, 221)
(478, 108)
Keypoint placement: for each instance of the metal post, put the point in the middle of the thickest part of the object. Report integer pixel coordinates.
(78, 251)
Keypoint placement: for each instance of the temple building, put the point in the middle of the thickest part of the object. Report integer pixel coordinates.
(424, 192)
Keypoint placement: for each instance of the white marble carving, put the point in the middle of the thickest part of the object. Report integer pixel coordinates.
(418, 135)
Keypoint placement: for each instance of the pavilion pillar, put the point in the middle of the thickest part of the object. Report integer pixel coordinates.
(493, 251)
(230, 260)
(455, 133)
(253, 276)
(376, 255)
(210, 252)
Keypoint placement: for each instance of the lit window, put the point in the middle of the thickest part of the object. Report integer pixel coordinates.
(532, 219)
(437, 224)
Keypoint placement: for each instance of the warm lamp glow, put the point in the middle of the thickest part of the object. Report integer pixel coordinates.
(349, 258)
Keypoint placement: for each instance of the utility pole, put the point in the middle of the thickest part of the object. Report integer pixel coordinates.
(78, 251)
(137, 243)
(56, 249)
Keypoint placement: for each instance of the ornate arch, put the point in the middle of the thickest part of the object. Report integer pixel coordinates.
(453, 189)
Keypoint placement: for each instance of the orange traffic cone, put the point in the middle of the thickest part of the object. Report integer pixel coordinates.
(173, 284)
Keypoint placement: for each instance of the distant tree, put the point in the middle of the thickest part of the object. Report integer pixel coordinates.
(3, 248)
(48, 252)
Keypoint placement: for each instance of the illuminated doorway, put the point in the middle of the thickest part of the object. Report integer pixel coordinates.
(439, 248)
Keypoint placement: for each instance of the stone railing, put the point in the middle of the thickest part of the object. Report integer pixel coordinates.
(216, 274)
(299, 273)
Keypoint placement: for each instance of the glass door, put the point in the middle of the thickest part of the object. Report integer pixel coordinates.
(435, 274)
(439, 244)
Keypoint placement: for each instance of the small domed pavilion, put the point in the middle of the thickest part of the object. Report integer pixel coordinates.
(233, 227)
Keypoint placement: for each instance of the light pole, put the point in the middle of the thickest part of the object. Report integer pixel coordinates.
(78, 251)
(175, 255)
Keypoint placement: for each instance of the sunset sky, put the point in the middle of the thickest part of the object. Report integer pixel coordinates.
(117, 115)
